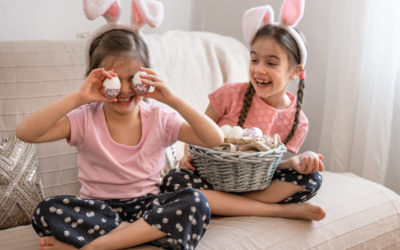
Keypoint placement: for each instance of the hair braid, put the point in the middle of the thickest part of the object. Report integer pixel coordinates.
(248, 97)
(299, 103)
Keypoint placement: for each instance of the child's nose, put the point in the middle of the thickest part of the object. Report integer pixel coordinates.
(126, 86)
(260, 69)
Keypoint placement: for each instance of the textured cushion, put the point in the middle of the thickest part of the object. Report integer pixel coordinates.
(19, 182)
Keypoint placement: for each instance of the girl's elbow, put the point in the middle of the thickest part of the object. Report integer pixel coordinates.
(219, 139)
(21, 134)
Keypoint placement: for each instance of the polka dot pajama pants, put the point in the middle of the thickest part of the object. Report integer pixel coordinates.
(183, 215)
(181, 178)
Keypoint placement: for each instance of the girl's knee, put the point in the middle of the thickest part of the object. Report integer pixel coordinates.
(196, 202)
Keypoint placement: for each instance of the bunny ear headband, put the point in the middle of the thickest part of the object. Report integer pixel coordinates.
(291, 13)
(150, 12)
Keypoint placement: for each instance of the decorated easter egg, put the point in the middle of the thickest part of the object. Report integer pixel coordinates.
(111, 87)
(235, 133)
(309, 153)
(253, 132)
(225, 129)
(140, 87)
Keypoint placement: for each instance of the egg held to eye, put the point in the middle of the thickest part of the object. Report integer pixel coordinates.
(140, 87)
(111, 87)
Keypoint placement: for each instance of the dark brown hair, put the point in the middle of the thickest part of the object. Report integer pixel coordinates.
(119, 42)
(282, 37)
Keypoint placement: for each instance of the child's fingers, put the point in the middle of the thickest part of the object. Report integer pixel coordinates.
(149, 71)
(321, 166)
(303, 165)
(320, 156)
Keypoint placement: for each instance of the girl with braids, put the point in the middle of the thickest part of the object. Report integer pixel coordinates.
(277, 57)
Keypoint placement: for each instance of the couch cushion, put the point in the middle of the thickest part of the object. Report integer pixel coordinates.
(19, 182)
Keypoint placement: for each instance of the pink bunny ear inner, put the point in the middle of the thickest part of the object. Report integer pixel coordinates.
(136, 16)
(292, 12)
(255, 18)
(150, 12)
(112, 13)
(96, 8)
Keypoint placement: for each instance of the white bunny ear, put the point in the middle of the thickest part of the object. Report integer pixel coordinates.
(110, 9)
(291, 12)
(254, 18)
(148, 12)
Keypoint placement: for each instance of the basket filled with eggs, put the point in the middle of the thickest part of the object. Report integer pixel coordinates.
(246, 161)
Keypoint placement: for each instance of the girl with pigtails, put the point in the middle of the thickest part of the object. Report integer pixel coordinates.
(278, 56)
(121, 141)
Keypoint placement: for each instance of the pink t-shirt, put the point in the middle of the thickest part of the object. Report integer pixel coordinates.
(109, 170)
(227, 101)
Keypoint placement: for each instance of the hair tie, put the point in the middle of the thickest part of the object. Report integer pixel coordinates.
(302, 75)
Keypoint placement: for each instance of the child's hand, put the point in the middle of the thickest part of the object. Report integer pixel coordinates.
(308, 162)
(161, 91)
(92, 88)
(187, 162)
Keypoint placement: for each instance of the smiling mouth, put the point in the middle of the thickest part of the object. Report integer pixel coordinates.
(263, 83)
(125, 99)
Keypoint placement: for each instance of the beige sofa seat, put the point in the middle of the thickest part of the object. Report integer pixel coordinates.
(360, 214)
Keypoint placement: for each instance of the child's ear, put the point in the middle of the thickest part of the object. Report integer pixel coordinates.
(296, 72)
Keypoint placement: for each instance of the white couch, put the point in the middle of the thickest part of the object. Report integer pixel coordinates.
(360, 214)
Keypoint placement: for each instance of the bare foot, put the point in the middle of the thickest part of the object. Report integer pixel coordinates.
(51, 243)
(304, 211)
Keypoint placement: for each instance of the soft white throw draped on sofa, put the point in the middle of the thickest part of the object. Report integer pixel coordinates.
(360, 130)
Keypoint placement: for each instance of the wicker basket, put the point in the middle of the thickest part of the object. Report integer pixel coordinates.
(237, 171)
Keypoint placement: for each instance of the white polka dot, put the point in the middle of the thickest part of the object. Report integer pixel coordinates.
(66, 201)
(44, 223)
(102, 232)
(165, 220)
(159, 210)
(91, 202)
(38, 211)
(103, 220)
(77, 209)
(80, 221)
(67, 219)
(103, 206)
(193, 209)
(187, 177)
(178, 212)
(299, 177)
(74, 224)
(91, 231)
(52, 209)
(59, 211)
(80, 238)
(96, 227)
(66, 233)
